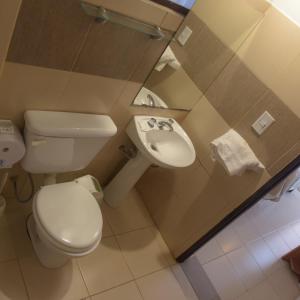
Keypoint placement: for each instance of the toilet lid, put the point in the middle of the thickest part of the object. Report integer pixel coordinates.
(69, 214)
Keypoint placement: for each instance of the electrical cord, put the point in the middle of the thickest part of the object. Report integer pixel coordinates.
(15, 185)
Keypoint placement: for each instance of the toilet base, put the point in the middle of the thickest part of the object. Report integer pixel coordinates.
(47, 256)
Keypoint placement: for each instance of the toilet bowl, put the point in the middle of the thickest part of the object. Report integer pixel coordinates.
(66, 222)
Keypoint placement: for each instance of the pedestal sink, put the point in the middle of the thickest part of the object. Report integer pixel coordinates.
(160, 141)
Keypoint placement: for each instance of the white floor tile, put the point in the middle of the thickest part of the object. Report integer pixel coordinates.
(277, 244)
(245, 296)
(245, 229)
(246, 267)
(263, 291)
(263, 255)
(229, 240)
(290, 237)
(209, 251)
(284, 284)
(224, 278)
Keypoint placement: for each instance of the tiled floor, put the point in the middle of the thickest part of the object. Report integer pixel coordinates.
(244, 261)
(132, 261)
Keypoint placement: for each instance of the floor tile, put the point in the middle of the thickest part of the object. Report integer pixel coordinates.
(19, 235)
(246, 267)
(263, 291)
(245, 229)
(264, 257)
(130, 215)
(105, 267)
(224, 278)
(128, 291)
(290, 237)
(161, 285)
(284, 284)
(65, 283)
(7, 251)
(11, 282)
(142, 252)
(106, 231)
(229, 240)
(209, 251)
(277, 244)
(184, 283)
(245, 296)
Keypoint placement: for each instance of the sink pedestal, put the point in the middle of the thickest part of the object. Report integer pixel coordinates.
(119, 187)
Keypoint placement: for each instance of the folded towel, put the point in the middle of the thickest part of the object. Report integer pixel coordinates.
(168, 58)
(234, 153)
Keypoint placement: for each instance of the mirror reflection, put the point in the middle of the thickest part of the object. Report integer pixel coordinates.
(168, 86)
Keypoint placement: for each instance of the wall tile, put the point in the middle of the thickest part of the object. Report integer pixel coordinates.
(26, 87)
(231, 21)
(285, 159)
(271, 47)
(235, 91)
(91, 94)
(172, 21)
(112, 51)
(49, 33)
(8, 16)
(151, 56)
(286, 85)
(277, 139)
(203, 124)
(203, 56)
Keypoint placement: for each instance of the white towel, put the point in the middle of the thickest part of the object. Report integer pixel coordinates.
(234, 153)
(168, 58)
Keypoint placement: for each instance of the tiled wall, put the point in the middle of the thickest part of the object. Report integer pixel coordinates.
(8, 15)
(243, 57)
(61, 59)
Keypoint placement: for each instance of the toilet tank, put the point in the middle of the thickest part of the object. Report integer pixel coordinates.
(58, 142)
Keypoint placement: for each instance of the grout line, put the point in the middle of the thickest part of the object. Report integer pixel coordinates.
(75, 260)
(23, 278)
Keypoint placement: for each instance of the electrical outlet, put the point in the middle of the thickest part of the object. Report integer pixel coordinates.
(184, 35)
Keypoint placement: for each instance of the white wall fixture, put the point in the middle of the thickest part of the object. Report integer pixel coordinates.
(290, 8)
(263, 123)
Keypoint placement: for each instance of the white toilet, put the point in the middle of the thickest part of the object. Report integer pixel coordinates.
(66, 220)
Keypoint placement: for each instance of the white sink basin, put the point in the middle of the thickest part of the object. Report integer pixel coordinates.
(166, 146)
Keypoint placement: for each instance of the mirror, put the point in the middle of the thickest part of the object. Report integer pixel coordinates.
(180, 6)
(168, 86)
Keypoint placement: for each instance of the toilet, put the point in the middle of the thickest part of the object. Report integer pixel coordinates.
(66, 220)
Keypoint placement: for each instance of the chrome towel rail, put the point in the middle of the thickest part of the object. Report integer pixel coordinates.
(103, 15)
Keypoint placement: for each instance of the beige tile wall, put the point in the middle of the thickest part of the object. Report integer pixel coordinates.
(8, 15)
(243, 57)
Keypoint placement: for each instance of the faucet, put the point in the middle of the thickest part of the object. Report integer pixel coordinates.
(162, 124)
(151, 100)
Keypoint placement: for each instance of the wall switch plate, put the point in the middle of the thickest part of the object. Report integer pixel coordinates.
(263, 123)
(184, 35)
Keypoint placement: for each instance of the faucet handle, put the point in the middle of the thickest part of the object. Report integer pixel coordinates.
(151, 122)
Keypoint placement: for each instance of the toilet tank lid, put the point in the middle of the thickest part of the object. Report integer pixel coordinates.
(65, 124)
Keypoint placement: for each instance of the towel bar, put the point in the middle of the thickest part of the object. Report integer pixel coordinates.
(103, 15)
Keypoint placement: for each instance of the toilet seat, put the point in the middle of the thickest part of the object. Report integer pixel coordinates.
(68, 217)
